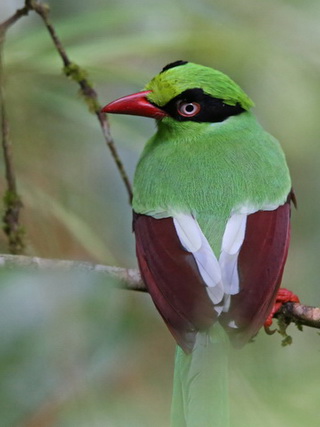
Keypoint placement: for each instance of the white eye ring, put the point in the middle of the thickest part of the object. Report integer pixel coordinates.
(188, 109)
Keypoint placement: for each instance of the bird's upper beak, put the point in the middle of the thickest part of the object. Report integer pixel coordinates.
(136, 104)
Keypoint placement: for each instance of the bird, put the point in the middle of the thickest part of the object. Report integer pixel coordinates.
(212, 197)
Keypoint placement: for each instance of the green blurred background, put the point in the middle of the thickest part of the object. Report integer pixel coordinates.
(73, 350)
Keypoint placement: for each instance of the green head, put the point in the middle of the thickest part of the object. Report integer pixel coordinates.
(185, 91)
(181, 76)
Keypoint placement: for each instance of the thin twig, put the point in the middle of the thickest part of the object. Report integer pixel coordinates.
(77, 74)
(7, 152)
(5, 25)
(12, 200)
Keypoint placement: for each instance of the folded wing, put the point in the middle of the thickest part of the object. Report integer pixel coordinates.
(191, 288)
(260, 267)
(173, 279)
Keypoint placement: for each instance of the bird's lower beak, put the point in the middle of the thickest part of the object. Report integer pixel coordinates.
(136, 104)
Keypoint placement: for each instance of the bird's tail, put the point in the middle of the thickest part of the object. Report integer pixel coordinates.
(200, 388)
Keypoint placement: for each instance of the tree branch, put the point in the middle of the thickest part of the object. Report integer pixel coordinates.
(301, 314)
(130, 279)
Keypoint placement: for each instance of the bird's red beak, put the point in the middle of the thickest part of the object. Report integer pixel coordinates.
(136, 104)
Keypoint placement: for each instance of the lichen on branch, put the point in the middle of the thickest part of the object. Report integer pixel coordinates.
(11, 199)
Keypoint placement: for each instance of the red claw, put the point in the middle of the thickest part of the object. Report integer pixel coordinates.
(283, 296)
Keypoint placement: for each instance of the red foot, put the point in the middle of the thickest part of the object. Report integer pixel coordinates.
(284, 295)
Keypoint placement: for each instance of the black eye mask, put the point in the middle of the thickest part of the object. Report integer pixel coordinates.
(212, 109)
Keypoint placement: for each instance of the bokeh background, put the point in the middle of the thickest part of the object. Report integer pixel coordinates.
(73, 350)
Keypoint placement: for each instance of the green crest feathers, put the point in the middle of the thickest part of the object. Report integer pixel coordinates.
(175, 79)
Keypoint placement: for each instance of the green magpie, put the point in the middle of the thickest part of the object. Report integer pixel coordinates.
(211, 217)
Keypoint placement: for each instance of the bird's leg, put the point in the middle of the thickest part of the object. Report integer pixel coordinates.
(283, 296)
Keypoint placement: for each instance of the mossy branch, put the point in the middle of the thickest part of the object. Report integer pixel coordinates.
(11, 199)
(301, 315)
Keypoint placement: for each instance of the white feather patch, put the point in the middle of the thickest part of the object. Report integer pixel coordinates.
(188, 231)
(231, 243)
(232, 324)
(234, 233)
(194, 241)
(229, 271)
(226, 302)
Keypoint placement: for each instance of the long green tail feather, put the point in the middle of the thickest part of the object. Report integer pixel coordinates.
(200, 389)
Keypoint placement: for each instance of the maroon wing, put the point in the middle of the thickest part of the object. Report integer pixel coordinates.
(260, 266)
(173, 279)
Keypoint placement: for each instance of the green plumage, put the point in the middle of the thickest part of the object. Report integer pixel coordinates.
(200, 394)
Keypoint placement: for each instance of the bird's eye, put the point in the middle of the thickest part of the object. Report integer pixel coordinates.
(188, 109)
